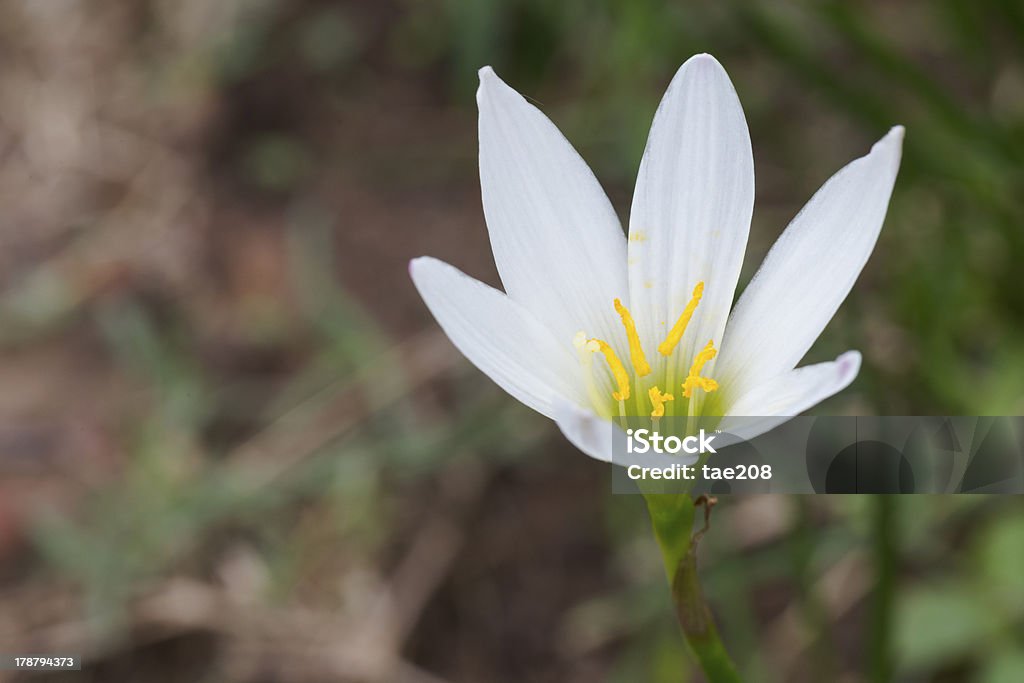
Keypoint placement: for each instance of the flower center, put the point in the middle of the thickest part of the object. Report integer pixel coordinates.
(622, 393)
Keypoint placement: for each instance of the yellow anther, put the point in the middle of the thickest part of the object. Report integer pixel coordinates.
(618, 369)
(676, 333)
(658, 400)
(693, 379)
(636, 351)
(704, 383)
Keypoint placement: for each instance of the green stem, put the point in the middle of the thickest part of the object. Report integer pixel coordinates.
(672, 520)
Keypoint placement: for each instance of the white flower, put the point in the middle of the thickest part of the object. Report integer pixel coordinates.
(594, 325)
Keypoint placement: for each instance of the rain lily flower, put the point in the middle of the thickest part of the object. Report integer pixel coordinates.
(594, 325)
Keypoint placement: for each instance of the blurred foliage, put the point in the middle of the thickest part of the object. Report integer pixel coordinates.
(325, 466)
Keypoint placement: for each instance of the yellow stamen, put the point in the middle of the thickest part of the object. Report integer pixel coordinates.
(693, 379)
(676, 333)
(658, 400)
(618, 369)
(636, 351)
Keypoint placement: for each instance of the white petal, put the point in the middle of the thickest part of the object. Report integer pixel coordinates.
(586, 431)
(810, 270)
(691, 208)
(557, 242)
(774, 401)
(498, 336)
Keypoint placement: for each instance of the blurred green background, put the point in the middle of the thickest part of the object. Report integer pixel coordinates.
(235, 447)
